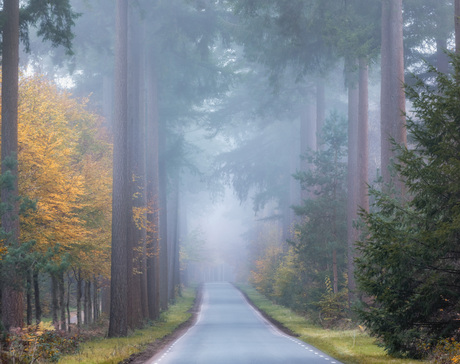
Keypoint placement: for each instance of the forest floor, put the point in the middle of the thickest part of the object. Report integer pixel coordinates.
(141, 344)
(349, 346)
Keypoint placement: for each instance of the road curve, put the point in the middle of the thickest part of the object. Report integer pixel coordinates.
(229, 330)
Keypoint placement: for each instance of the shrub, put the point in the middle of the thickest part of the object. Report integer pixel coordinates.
(37, 344)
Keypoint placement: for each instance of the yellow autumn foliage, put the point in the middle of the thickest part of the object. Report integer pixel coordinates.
(64, 164)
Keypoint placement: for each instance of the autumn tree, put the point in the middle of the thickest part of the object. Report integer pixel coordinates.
(54, 24)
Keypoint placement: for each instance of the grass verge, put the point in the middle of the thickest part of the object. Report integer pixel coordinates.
(348, 346)
(115, 350)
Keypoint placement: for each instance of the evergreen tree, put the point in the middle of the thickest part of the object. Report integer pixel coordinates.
(321, 243)
(409, 255)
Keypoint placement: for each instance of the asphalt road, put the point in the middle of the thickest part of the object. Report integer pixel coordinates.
(229, 330)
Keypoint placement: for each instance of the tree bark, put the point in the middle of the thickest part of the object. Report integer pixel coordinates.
(352, 180)
(152, 142)
(363, 147)
(29, 297)
(392, 99)
(62, 301)
(457, 26)
(88, 299)
(137, 171)
(442, 60)
(38, 308)
(164, 254)
(95, 300)
(308, 140)
(320, 109)
(54, 301)
(67, 301)
(79, 294)
(12, 295)
(118, 324)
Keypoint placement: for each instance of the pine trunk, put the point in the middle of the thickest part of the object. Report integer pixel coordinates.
(62, 301)
(54, 301)
(307, 140)
(152, 148)
(457, 26)
(442, 59)
(164, 254)
(352, 181)
(95, 300)
(137, 171)
(89, 307)
(29, 297)
(38, 308)
(79, 294)
(320, 108)
(363, 148)
(118, 324)
(67, 301)
(12, 295)
(392, 97)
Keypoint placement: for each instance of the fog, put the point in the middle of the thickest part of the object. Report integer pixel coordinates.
(222, 140)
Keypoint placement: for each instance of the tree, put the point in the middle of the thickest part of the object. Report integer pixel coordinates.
(59, 33)
(12, 296)
(392, 99)
(409, 255)
(120, 205)
(321, 244)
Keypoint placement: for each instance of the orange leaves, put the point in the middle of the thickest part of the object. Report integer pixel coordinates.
(65, 166)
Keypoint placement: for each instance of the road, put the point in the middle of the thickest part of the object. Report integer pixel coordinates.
(230, 330)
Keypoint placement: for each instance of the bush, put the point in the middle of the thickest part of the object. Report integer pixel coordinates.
(38, 344)
(446, 352)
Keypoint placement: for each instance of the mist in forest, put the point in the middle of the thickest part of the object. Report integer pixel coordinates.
(305, 148)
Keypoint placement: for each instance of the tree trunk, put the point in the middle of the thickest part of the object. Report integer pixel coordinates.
(12, 295)
(308, 140)
(442, 60)
(153, 267)
(29, 297)
(54, 301)
(79, 294)
(363, 148)
(118, 325)
(352, 179)
(137, 171)
(67, 302)
(88, 299)
(335, 272)
(38, 308)
(392, 97)
(85, 303)
(173, 275)
(62, 301)
(320, 108)
(457, 26)
(143, 155)
(164, 254)
(95, 300)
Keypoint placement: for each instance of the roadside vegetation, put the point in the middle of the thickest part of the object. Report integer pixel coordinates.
(115, 350)
(42, 344)
(351, 346)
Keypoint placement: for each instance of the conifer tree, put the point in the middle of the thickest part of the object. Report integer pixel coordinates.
(409, 256)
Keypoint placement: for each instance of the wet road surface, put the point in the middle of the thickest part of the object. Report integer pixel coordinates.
(229, 330)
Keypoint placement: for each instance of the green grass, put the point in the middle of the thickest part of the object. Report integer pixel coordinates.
(114, 350)
(348, 346)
